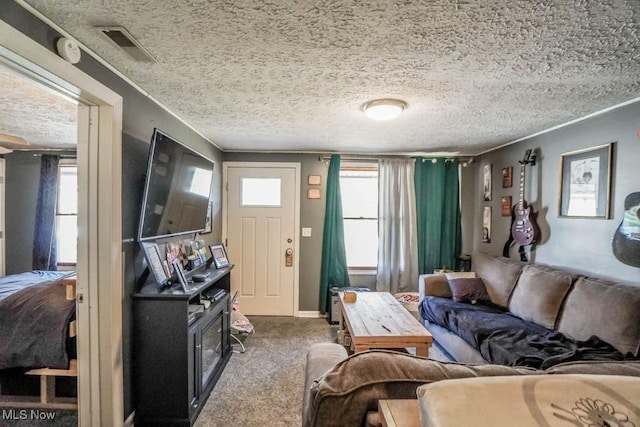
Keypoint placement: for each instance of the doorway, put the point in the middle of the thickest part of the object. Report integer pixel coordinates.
(261, 217)
(99, 272)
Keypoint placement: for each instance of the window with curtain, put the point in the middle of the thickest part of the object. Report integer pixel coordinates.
(359, 190)
(67, 214)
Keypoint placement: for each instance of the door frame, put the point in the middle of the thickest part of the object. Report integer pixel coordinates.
(100, 271)
(296, 215)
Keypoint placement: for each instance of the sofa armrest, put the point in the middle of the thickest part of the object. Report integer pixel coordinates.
(433, 285)
(321, 358)
(345, 394)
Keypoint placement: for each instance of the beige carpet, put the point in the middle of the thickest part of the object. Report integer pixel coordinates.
(263, 387)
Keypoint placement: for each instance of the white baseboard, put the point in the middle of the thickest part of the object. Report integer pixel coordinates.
(312, 314)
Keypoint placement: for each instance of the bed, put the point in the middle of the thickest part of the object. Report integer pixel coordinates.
(37, 330)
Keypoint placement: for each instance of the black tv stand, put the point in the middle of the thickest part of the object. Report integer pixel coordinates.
(181, 346)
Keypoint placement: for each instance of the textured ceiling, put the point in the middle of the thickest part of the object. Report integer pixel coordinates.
(292, 75)
(39, 115)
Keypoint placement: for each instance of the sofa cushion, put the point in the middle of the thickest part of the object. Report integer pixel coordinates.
(344, 395)
(499, 275)
(531, 401)
(608, 310)
(468, 290)
(435, 285)
(539, 294)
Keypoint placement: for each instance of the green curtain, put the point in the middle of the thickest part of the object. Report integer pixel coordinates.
(438, 214)
(334, 270)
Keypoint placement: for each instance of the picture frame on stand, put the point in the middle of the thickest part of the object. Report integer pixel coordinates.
(219, 254)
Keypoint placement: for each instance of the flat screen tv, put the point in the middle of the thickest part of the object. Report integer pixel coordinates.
(176, 191)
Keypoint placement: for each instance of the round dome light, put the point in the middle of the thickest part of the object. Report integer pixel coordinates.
(384, 109)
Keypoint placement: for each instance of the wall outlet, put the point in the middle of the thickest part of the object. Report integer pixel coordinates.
(306, 231)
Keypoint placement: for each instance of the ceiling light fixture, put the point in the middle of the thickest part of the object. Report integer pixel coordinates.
(384, 109)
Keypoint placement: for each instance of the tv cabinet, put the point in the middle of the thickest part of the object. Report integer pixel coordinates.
(181, 346)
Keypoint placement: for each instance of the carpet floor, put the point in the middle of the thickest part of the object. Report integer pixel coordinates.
(263, 386)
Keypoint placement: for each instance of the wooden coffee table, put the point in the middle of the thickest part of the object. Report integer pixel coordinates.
(378, 320)
(399, 413)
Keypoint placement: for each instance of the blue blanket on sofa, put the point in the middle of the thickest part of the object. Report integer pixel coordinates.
(505, 339)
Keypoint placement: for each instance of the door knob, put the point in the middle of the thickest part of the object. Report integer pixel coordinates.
(288, 257)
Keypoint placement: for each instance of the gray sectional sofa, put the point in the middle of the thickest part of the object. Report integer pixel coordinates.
(342, 390)
(539, 299)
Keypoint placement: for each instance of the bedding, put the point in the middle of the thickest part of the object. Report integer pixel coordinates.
(505, 339)
(34, 320)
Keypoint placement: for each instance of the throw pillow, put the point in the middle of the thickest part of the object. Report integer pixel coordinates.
(468, 290)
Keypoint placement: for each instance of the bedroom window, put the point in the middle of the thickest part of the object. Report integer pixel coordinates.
(359, 191)
(67, 214)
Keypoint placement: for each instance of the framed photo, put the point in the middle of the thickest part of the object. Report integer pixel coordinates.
(314, 180)
(177, 267)
(219, 254)
(505, 206)
(313, 193)
(507, 177)
(154, 261)
(585, 182)
(207, 225)
(486, 224)
(486, 182)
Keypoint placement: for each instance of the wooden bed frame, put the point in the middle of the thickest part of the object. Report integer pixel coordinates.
(48, 398)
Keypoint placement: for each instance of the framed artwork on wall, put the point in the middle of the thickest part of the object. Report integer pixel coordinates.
(486, 182)
(486, 224)
(507, 177)
(505, 205)
(313, 193)
(585, 182)
(314, 180)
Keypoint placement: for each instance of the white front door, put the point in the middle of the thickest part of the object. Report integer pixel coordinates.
(262, 214)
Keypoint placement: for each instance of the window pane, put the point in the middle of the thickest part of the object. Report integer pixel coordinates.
(67, 238)
(68, 190)
(359, 191)
(260, 192)
(361, 242)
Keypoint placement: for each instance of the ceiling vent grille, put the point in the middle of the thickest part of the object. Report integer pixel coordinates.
(125, 41)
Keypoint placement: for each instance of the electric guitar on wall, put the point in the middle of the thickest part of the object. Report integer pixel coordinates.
(524, 229)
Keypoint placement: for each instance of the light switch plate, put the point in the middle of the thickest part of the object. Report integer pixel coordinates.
(306, 231)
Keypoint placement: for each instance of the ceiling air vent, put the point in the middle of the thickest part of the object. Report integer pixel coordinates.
(125, 41)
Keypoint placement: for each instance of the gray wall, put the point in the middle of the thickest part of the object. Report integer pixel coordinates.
(582, 245)
(140, 116)
(21, 195)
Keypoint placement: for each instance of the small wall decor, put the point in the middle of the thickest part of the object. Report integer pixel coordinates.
(486, 187)
(314, 180)
(507, 177)
(585, 182)
(486, 224)
(505, 205)
(313, 193)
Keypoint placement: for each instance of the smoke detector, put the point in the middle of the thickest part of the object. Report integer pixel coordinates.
(125, 41)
